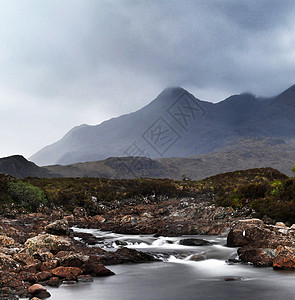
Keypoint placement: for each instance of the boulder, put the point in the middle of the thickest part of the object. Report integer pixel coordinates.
(68, 273)
(9, 279)
(236, 238)
(59, 227)
(284, 259)
(134, 256)
(79, 212)
(71, 259)
(259, 257)
(6, 241)
(49, 265)
(27, 276)
(94, 267)
(36, 289)
(281, 224)
(54, 281)
(100, 270)
(43, 276)
(7, 263)
(52, 242)
(195, 242)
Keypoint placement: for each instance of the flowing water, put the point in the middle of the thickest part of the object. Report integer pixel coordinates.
(185, 272)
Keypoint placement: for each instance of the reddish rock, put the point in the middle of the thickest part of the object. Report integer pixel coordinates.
(284, 259)
(49, 265)
(100, 270)
(8, 279)
(54, 281)
(258, 256)
(32, 268)
(7, 263)
(42, 276)
(26, 276)
(69, 273)
(6, 241)
(36, 289)
(236, 238)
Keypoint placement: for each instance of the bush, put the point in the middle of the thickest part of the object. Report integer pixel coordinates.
(293, 170)
(26, 195)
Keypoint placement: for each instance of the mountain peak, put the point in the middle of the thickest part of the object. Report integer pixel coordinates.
(289, 92)
(172, 90)
(287, 97)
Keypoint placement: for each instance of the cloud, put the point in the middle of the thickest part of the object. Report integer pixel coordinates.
(85, 61)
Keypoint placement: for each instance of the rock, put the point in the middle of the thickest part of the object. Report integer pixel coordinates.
(84, 278)
(6, 241)
(100, 270)
(32, 268)
(43, 276)
(43, 295)
(284, 259)
(52, 242)
(10, 280)
(197, 257)
(68, 273)
(43, 255)
(26, 276)
(250, 222)
(71, 259)
(36, 289)
(236, 238)
(195, 242)
(25, 258)
(7, 263)
(87, 238)
(258, 256)
(54, 281)
(232, 278)
(134, 256)
(79, 212)
(49, 265)
(59, 227)
(94, 267)
(281, 224)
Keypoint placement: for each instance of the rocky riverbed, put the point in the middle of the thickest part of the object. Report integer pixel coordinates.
(41, 249)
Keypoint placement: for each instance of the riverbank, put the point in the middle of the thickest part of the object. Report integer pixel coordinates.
(40, 248)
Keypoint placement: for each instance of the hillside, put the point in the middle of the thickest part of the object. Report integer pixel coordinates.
(17, 166)
(176, 124)
(244, 154)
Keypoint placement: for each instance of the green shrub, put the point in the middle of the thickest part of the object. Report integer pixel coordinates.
(26, 195)
(293, 170)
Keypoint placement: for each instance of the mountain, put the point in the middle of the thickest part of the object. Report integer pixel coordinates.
(241, 155)
(17, 166)
(176, 124)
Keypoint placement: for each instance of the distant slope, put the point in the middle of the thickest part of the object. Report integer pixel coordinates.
(244, 154)
(17, 166)
(176, 124)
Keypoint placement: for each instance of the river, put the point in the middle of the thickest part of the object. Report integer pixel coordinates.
(185, 272)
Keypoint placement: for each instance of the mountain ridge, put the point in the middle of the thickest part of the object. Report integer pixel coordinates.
(192, 126)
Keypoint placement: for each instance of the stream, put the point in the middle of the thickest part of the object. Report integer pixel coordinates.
(184, 272)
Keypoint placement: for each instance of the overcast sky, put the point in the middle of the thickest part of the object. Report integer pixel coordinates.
(68, 62)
